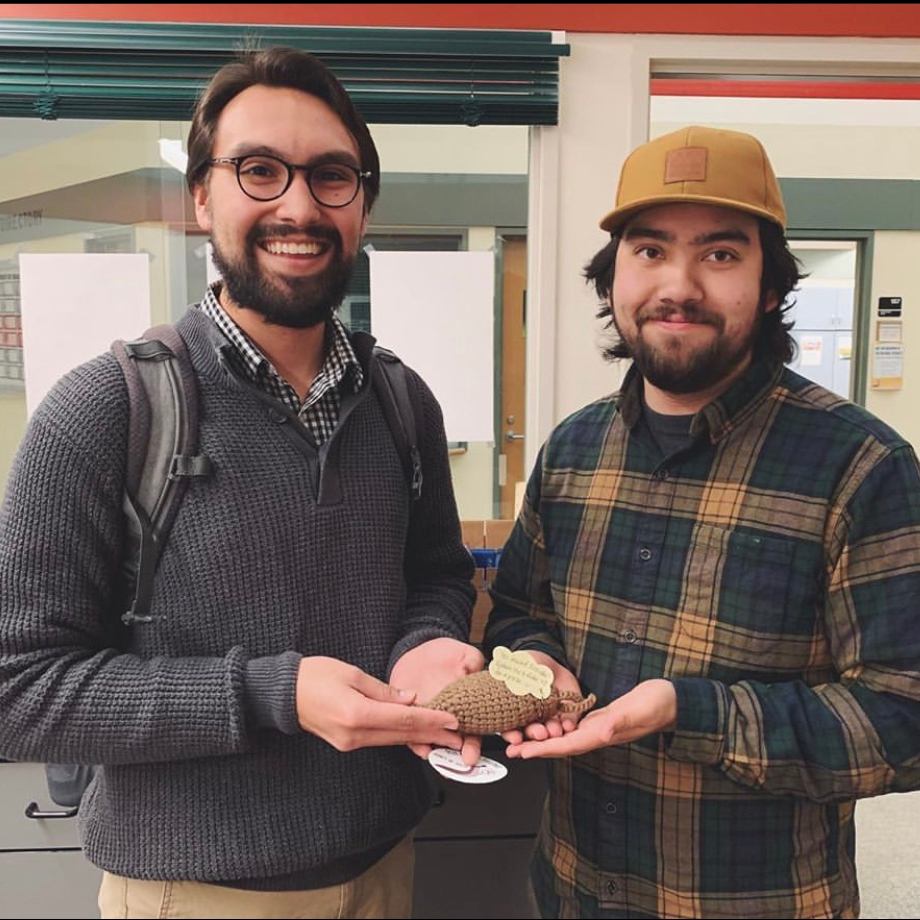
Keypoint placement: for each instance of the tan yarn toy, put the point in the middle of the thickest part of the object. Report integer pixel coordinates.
(485, 705)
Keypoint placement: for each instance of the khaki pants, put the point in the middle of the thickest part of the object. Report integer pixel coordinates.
(384, 891)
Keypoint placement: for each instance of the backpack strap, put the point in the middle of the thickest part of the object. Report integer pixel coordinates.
(403, 411)
(162, 453)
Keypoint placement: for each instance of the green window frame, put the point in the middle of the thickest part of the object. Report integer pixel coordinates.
(122, 70)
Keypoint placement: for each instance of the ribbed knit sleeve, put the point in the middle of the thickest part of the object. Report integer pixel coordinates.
(270, 698)
(67, 692)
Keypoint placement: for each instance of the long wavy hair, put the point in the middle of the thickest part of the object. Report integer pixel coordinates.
(781, 276)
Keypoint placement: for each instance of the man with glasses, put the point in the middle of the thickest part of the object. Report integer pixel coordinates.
(257, 737)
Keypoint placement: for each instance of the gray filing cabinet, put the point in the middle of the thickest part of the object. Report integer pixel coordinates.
(42, 870)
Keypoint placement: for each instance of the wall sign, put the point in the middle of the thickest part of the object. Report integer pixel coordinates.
(889, 306)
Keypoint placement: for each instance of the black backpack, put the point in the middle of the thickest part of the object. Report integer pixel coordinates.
(163, 457)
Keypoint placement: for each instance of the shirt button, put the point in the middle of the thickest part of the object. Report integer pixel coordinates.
(629, 636)
(611, 808)
(661, 475)
(611, 887)
(645, 554)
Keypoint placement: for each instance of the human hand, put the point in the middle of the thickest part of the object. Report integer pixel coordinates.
(563, 680)
(427, 669)
(350, 709)
(649, 707)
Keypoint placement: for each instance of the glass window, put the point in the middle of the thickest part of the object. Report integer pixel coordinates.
(81, 186)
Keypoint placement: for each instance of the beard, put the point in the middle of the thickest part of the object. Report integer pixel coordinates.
(295, 302)
(676, 369)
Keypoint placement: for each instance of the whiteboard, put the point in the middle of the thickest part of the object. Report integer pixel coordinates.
(74, 305)
(436, 311)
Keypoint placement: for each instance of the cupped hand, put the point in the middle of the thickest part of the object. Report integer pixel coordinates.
(564, 681)
(649, 707)
(427, 669)
(350, 709)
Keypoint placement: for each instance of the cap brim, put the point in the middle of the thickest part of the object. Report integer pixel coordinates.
(618, 216)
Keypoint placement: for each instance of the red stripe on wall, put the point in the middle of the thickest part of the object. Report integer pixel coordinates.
(880, 20)
(785, 89)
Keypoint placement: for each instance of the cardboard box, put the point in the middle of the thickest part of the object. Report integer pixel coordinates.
(490, 534)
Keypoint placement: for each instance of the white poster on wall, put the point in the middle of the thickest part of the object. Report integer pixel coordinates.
(436, 311)
(74, 305)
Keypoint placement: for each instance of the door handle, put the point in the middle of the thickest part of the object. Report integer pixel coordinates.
(512, 436)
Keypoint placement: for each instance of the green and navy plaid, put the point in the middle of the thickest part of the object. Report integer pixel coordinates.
(771, 570)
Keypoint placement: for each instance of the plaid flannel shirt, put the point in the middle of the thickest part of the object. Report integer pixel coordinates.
(771, 570)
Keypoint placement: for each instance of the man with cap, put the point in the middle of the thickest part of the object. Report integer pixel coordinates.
(728, 556)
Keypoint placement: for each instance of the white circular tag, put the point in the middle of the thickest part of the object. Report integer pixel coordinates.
(450, 764)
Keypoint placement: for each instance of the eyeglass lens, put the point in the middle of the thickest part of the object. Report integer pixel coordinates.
(265, 177)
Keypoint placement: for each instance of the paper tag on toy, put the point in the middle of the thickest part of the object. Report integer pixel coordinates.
(520, 673)
(450, 764)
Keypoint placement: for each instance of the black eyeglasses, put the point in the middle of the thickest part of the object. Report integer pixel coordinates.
(264, 177)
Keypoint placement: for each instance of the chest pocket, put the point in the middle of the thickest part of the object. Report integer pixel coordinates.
(748, 603)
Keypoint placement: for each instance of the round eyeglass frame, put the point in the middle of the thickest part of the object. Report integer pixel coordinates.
(292, 168)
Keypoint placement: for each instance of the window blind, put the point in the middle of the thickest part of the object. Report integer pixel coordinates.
(122, 70)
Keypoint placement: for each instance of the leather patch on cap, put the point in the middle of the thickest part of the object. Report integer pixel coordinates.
(688, 164)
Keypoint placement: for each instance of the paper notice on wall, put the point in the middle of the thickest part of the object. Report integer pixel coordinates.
(887, 366)
(436, 310)
(74, 305)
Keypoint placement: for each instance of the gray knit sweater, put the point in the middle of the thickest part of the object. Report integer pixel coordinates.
(284, 551)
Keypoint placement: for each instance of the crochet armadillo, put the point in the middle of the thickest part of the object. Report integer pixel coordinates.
(483, 704)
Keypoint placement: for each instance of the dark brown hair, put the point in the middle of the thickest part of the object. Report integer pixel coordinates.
(781, 276)
(284, 67)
